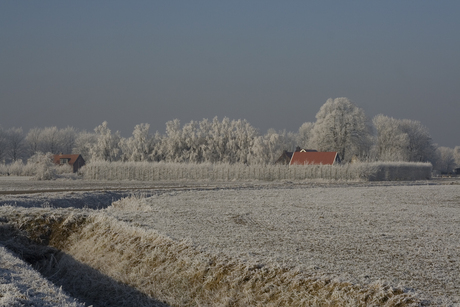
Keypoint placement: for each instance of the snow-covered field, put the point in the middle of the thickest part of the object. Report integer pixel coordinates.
(405, 234)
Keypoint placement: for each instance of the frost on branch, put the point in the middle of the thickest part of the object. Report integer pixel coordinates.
(342, 127)
(43, 166)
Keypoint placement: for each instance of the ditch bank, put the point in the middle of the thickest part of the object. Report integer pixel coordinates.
(101, 261)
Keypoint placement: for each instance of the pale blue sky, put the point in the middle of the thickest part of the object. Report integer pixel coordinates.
(273, 63)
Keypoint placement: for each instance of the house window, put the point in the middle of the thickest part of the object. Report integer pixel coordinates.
(64, 161)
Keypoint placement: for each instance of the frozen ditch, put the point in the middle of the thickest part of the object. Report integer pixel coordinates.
(37, 271)
(21, 285)
(333, 246)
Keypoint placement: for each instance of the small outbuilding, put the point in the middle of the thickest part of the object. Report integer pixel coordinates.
(76, 161)
(314, 158)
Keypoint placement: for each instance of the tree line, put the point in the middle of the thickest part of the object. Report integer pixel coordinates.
(340, 126)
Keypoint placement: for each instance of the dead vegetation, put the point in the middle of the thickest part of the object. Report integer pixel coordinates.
(71, 246)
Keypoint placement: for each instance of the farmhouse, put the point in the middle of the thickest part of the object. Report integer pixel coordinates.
(76, 161)
(314, 158)
(286, 156)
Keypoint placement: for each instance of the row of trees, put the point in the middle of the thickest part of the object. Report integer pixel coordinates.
(340, 126)
(16, 145)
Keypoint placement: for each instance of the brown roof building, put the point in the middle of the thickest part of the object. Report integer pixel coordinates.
(76, 161)
(314, 158)
(286, 156)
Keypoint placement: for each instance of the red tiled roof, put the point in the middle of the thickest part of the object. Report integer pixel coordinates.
(72, 158)
(313, 158)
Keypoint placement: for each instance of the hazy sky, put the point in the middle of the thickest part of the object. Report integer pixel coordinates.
(274, 63)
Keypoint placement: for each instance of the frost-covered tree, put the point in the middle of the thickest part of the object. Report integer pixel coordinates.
(421, 147)
(2, 144)
(391, 142)
(180, 144)
(51, 140)
(342, 127)
(206, 141)
(208, 147)
(140, 146)
(193, 141)
(106, 147)
(228, 141)
(44, 168)
(241, 140)
(68, 137)
(304, 135)
(217, 138)
(33, 141)
(259, 152)
(445, 162)
(156, 154)
(269, 147)
(83, 144)
(173, 144)
(15, 144)
(275, 144)
(457, 155)
(402, 140)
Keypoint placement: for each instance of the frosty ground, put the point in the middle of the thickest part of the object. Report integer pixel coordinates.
(403, 233)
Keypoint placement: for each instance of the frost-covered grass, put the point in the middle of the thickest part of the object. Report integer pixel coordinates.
(405, 235)
(34, 233)
(21, 285)
(181, 274)
(146, 171)
(286, 245)
(29, 184)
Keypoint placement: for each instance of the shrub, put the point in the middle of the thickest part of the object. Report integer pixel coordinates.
(15, 169)
(43, 166)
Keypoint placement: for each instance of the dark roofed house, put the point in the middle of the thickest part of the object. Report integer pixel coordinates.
(76, 161)
(285, 158)
(314, 158)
